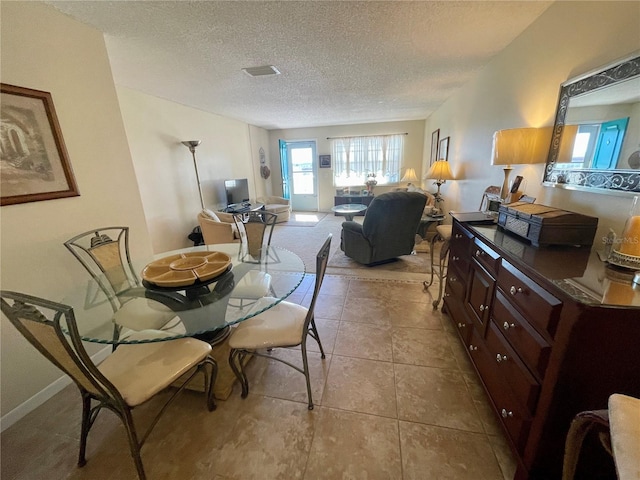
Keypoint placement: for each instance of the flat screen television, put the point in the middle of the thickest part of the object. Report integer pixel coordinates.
(237, 191)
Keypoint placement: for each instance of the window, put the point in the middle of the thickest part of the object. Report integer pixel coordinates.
(357, 157)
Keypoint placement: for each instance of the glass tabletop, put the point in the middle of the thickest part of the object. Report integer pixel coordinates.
(147, 312)
(349, 208)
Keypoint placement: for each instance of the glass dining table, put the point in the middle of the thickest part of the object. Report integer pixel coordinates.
(205, 308)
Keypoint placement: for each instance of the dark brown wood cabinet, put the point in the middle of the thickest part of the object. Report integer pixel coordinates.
(550, 331)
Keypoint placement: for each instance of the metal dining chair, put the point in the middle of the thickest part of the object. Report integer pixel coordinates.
(104, 253)
(129, 377)
(285, 325)
(255, 229)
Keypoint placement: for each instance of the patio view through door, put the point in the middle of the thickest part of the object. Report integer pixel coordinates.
(302, 163)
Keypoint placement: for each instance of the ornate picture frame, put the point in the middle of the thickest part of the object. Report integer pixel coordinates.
(435, 139)
(34, 163)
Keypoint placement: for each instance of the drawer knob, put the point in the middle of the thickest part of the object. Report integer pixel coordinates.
(478, 253)
(506, 413)
(453, 279)
(461, 325)
(482, 307)
(447, 294)
(507, 325)
(458, 235)
(472, 348)
(501, 358)
(513, 290)
(455, 259)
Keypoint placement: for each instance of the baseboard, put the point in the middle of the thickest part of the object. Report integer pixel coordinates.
(45, 394)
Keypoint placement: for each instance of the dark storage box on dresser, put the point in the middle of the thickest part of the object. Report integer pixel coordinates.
(551, 332)
(543, 225)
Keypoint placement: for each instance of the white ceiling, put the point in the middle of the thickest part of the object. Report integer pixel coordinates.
(341, 62)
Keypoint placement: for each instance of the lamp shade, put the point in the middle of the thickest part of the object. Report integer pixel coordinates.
(440, 171)
(519, 146)
(409, 176)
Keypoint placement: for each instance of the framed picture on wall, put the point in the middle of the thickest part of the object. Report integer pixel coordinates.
(34, 161)
(443, 150)
(325, 161)
(435, 137)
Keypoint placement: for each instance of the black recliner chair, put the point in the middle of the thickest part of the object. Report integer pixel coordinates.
(388, 231)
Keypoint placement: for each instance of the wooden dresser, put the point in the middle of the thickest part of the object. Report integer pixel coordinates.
(550, 331)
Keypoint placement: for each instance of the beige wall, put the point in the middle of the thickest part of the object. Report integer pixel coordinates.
(44, 50)
(520, 88)
(326, 191)
(164, 167)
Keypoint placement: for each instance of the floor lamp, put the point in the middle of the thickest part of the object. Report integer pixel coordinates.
(191, 145)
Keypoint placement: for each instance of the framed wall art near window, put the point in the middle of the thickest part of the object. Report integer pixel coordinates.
(325, 161)
(34, 164)
(435, 137)
(443, 150)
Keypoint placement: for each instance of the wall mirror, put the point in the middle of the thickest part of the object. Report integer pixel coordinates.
(595, 144)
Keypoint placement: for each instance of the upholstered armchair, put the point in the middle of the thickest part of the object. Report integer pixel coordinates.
(277, 205)
(388, 230)
(217, 227)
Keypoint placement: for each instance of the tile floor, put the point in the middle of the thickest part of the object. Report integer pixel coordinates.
(395, 399)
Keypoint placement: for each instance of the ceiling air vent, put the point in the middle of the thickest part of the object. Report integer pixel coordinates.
(261, 71)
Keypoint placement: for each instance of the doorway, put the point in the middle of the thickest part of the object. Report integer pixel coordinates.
(301, 180)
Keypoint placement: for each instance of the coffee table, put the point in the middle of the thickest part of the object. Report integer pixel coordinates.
(349, 210)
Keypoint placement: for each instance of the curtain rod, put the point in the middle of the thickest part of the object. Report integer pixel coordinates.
(378, 135)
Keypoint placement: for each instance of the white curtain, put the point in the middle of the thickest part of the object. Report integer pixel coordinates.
(357, 157)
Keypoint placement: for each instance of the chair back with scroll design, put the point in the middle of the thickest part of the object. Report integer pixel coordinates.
(256, 230)
(490, 193)
(118, 384)
(104, 253)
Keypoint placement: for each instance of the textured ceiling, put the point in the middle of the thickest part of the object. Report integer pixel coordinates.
(341, 62)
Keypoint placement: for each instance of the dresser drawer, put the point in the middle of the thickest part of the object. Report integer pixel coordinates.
(458, 317)
(531, 347)
(456, 282)
(536, 304)
(525, 387)
(486, 256)
(460, 242)
(512, 415)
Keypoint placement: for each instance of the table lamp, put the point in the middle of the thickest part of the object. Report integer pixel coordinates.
(191, 145)
(441, 172)
(519, 146)
(409, 176)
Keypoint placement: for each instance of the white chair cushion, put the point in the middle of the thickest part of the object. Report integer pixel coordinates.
(280, 326)
(210, 214)
(444, 231)
(146, 314)
(253, 285)
(624, 426)
(142, 370)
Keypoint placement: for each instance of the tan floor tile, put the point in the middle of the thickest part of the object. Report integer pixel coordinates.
(398, 313)
(440, 453)
(391, 290)
(272, 378)
(334, 285)
(354, 445)
(360, 385)
(271, 440)
(435, 396)
(327, 306)
(364, 341)
(328, 330)
(505, 457)
(417, 346)
(487, 415)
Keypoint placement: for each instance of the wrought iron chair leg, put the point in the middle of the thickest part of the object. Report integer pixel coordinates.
(234, 360)
(305, 363)
(210, 381)
(134, 445)
(316, 337)
(84, 429)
